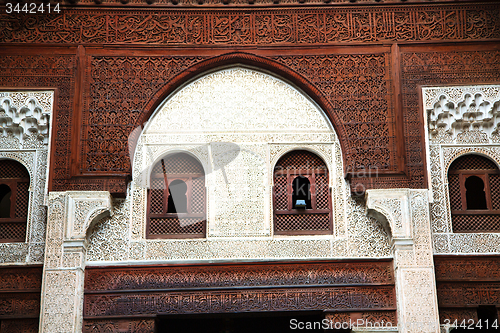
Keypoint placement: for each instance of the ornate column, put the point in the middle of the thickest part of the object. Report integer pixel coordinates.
(406, 213)
(70, 214)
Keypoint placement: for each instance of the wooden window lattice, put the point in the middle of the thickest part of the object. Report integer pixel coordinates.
(289, 221)
(15, 175)
(463, 220)
(191, 224)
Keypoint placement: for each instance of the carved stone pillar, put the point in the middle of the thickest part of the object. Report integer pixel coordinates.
(70, 214)
(405, 213)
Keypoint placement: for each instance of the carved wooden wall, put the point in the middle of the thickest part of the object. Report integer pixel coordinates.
(363, 71)
(340, 287)
(464, 283)
(20, 298)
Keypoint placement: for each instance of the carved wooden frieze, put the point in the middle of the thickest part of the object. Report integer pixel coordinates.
(292, 299)
(19, 295)
(224, 276)
(256, 26)
(236, 288)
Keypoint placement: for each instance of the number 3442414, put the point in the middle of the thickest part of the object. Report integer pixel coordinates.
(32, 8)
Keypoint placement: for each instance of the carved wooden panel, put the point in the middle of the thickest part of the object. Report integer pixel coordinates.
(122, 326)
(358, 86)
(256, 27)
(365, 318)
(466, 282)
(19, 297)
(237, 288)
(290, 299)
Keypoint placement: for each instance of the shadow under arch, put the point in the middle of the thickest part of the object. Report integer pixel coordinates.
(242, 58)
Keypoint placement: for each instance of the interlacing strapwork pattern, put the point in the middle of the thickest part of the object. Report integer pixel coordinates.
(302, 222)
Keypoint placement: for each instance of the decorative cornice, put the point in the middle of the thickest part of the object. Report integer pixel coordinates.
(463, 114)
(256, 26)
(25, 118)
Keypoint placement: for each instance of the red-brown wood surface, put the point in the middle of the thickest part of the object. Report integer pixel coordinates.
(363, 64)
(335, 286)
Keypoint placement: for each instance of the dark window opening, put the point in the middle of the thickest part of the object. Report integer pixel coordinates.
(268, 322)
(301, 193)
(5, 193)
(176, 210)
(487, 321)
(177, 199)
(475, 196)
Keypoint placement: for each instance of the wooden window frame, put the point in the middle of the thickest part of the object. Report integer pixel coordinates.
(485, 176)
(188, 179)
(12, 183)
(310, 174)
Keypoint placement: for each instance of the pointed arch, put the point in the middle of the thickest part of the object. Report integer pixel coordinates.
(248, 59)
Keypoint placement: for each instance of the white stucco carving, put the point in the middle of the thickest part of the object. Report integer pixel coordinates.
(69, 215)
(237, 122)
(24, 137)
(461, 120)
(407, 214)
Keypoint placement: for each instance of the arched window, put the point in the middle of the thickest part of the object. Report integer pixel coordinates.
(176, 198)
(14, 200)
(474, 185)
(302, 204)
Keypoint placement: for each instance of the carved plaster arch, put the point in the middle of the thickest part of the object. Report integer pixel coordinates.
(326, 159)
(391, 208)
(487, 152)
(247, 59)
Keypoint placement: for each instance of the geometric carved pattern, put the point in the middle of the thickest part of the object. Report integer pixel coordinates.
(473, 162)
(475, 223)
(302, 222)
(13, 169)
(114, 106)
(173, 226)
(368, 130)
(211, 289)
